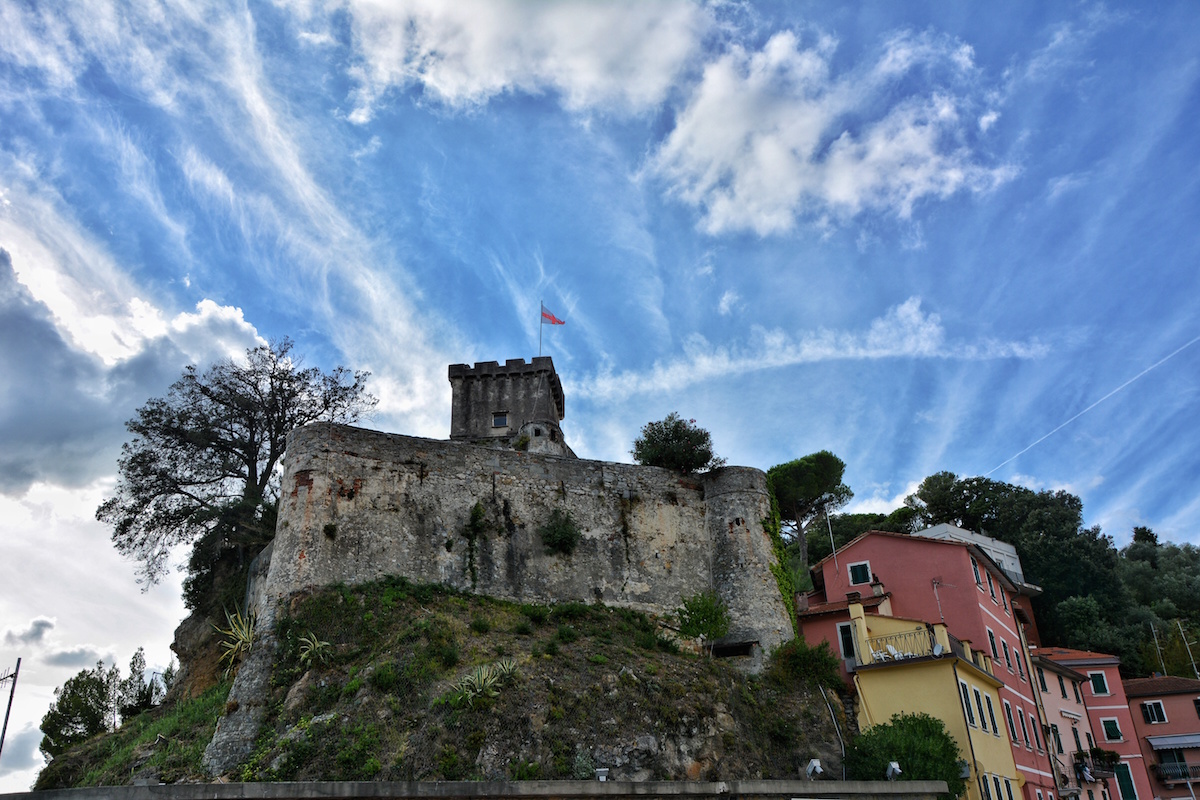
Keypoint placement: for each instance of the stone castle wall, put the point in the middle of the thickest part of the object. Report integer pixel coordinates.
(357, 505)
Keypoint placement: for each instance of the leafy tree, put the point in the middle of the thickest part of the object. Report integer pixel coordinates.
(83, 707)
(703, 615)
(676, 443)
(1057, 552)
(921, 745)
(804, 489)
(202, 461)
(137, 693)
(846, 527)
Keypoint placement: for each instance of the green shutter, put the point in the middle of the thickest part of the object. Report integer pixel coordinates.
(1125, 781)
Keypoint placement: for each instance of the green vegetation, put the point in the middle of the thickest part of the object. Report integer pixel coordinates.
(918, 742)
(238, 641)
(560, 534)
(200, 467)
(675, 443)
(703, 615)
(166, 742)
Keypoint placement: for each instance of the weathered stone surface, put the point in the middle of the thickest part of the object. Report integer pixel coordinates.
(358, 505)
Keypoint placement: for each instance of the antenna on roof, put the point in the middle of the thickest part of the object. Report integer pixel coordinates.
(1159, 649)
(1187, 645)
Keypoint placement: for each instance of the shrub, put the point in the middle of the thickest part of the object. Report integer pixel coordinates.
(796, 660)
(918, 742)
(703, 615)
(560, 534)
(675, 443)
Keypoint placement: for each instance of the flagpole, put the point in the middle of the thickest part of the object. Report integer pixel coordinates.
(541, 320)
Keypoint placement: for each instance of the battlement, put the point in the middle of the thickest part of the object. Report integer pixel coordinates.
(499, 405)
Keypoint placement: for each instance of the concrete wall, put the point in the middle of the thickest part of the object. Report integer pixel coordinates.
(358, 505)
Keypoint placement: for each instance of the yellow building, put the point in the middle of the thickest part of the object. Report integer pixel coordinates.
(908, 666)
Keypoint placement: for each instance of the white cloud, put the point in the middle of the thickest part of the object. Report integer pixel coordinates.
(729, 300)
(622, 56)
(772, 136)
(905, 331)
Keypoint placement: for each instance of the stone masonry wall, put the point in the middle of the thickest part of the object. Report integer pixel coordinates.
(358, 505)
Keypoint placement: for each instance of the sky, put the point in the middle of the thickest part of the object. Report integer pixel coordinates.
(925, 236)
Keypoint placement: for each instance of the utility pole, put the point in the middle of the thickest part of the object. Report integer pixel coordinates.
(13, 677)
(1188, 646)
(1158, 649)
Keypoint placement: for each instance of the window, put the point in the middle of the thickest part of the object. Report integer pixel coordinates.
(1037, 742)
(1099, 683)
(983, 782)
(1024, 730)
(1058, 748)
(992, 642)
(1021, 666)
(1008, 788)
(996, 783)
(975, 569)
(991, 587)
(846, 640)
(1091, 795)
(1007, 655)
(1075, 733)
(1042, 680)
(1039, 794)
(992, 715)
(1090, 740)
(1153, 712)
(1062, 687)
(1075, 688)
(979, 705)
(1012, 727)
(966, 699)
(1004, 600)
(499, 419)
(1112, 731)
(1125, 782)
(860, 573)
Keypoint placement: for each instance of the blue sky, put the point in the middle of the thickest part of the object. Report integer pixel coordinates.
(920, 235)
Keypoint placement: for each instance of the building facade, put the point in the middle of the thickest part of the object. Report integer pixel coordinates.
(1166, 721)
(939, 581)
(1111, 722)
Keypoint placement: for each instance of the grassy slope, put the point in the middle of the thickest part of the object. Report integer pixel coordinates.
(594, 687)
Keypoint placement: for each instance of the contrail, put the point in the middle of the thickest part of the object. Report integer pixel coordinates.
(1158, 363)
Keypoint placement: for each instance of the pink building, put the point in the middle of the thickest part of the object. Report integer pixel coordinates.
(1166, 722)
(1069, 736)
(938, 581)
(1108, 713)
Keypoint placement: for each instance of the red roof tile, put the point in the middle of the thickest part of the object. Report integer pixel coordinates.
(1169, 684)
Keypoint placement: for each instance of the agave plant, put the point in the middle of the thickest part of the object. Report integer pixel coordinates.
(483, 681)
(240, 638)
(313, 650)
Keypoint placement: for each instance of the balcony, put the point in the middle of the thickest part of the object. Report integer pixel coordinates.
(916, 643)
(1176, 773)
(1099, 762)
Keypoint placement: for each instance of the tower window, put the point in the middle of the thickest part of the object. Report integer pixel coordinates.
(499, 419)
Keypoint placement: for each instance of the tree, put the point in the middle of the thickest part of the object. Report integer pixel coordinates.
(136, 693)
(919, 743)
(803, 489)
(201, 466)
(83, 707)
(675, 443)
(703, 616)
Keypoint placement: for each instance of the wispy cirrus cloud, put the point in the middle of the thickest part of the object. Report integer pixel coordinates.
(905, 331)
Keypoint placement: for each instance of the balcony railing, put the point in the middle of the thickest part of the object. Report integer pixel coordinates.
(916, 643)
(1176, 773)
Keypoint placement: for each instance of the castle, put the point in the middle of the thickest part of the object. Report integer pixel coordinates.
(357, 505)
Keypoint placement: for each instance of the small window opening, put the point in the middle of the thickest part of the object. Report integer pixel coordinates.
(537, 431)
(733, 649)
(499, 419)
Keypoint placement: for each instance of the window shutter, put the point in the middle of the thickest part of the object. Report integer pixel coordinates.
(1146, 712)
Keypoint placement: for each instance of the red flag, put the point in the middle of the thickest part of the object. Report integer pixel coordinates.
(550, 319)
